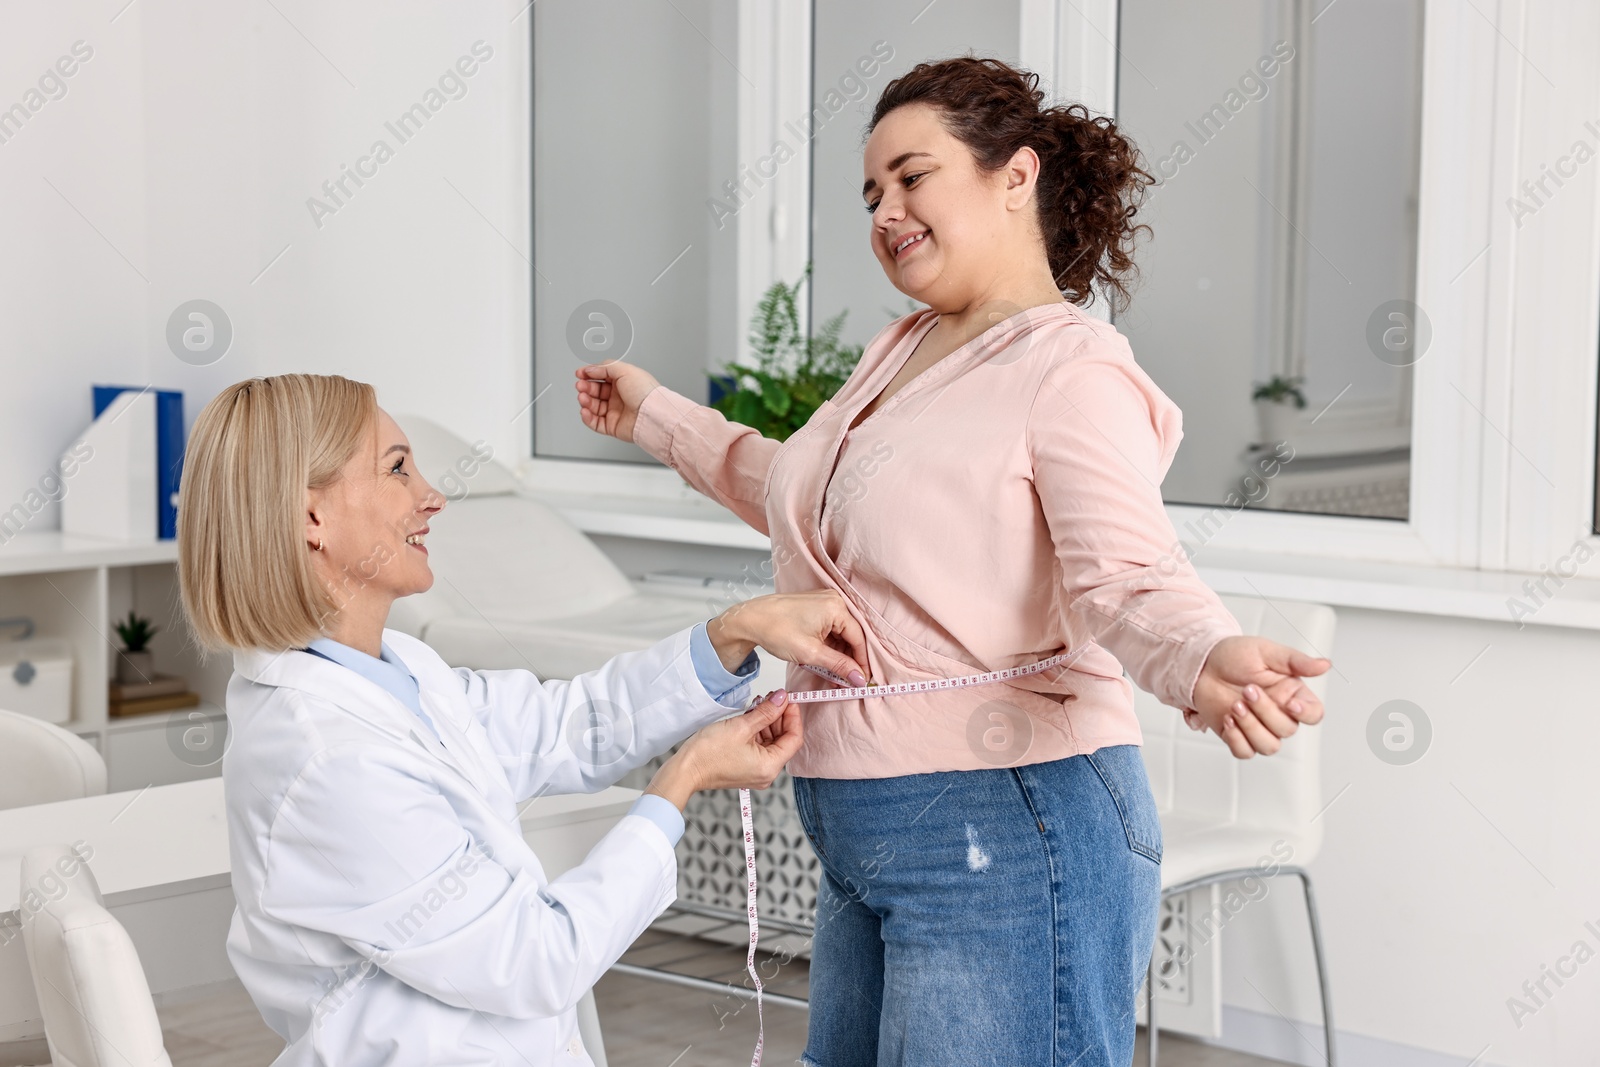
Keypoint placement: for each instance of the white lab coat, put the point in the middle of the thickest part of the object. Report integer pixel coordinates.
(389, 911)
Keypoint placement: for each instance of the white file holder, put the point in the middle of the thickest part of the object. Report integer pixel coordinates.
(113, 493)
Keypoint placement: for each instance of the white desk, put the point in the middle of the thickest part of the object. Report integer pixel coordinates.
(161, 858)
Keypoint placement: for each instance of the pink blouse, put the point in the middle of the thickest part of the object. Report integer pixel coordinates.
(1002, 507)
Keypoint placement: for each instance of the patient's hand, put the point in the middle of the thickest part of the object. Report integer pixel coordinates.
(814, 627)
(1249, 692)
(609, 395)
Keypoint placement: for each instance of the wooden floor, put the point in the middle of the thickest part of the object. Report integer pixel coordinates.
(648, 1023)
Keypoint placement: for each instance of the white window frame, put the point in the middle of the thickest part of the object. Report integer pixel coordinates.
(1484, 437)
(1547, 341)
(775, 41)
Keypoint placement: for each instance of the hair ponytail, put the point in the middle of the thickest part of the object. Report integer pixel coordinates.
(1090, 184)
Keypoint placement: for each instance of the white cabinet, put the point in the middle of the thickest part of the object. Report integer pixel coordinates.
(74, 589)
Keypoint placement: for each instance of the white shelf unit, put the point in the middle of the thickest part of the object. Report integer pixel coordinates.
(75, 589)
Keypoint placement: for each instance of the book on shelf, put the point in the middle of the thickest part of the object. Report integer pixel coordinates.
(147, 705)
(162, 685)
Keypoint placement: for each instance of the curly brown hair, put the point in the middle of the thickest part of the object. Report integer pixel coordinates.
(1090, 182)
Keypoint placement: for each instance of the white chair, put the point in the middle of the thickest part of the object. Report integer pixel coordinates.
(516, 584)
(1220, 815)
(41, 763)
(92, 991)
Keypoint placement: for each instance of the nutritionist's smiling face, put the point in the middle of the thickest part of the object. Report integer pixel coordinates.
(373, 521)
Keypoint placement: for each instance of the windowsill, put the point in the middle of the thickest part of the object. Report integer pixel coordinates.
(1450, 591)
(693, 522)
(655, 504)
(636, 500)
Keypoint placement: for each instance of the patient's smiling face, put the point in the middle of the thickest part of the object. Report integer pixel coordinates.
(372, 522)
(940, 225)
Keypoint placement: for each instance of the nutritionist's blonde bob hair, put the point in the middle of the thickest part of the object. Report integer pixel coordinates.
(244, 567)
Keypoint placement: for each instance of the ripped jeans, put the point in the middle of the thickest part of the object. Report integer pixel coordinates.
(997, 917)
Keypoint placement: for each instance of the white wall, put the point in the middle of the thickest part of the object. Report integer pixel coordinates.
(191, 142)
(73, 310)
(1432, 878)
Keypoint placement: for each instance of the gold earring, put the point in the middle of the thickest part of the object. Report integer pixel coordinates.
(319, 544)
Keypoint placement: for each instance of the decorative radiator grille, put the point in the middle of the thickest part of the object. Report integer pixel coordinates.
(711, 854)
(1173, 949)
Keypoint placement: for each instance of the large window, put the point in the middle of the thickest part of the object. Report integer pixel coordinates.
(1285, 141)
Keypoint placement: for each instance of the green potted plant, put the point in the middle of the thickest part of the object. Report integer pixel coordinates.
(1275, 418)
(793, 374)
(135, 663)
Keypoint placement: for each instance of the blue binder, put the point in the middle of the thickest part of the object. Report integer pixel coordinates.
(169, 449)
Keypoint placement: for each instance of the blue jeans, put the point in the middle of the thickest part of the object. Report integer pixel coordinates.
(1001, 916)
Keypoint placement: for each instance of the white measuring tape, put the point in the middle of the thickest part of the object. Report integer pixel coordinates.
(750, 910)
(849, 692)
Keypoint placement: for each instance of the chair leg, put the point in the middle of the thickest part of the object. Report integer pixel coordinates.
(1151, 1030)
(1322, 967)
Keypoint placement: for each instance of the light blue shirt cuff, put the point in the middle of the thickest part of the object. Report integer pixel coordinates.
(719, 684)
(663, 812)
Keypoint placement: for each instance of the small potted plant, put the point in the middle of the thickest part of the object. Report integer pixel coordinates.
(135, 663)
(1275, 418)
(794, 374)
